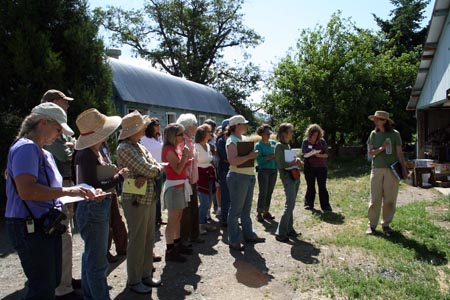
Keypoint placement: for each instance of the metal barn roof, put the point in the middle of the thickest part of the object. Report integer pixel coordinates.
(148, 86)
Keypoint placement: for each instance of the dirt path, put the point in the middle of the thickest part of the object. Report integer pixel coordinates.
(264, 271)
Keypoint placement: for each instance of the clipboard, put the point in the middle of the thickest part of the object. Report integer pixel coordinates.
(129, 186)
(244, 148)
(397, 170)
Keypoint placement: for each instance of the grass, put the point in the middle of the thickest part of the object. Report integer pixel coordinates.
(411, 264)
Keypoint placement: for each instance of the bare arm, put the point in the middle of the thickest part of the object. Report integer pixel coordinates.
(175, 163)
(234, 159)
(29, 189)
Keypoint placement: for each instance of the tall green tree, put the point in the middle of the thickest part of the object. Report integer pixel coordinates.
(188, 38)
(336, 77)
(48, 44)
(404, 28)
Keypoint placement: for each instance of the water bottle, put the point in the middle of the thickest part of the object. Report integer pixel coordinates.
(388, 147)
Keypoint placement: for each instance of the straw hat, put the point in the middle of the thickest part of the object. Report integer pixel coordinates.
(94, 128)
(132, 123)
(379, 114)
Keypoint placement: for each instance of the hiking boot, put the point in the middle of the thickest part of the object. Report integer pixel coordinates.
(173, 255)
(388, 230)
(282, 238)
(182, 249)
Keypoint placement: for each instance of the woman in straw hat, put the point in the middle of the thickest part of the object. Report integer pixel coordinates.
(385, 147)
(93, 217)
(139, 210)
(33, 186)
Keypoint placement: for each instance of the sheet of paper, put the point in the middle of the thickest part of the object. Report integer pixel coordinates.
(311, 153)
(72, 199)
(289, 155)
(129, 187)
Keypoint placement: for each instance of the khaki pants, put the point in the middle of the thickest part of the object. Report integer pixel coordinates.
(141, 236)
(383, 195)
(65, 285)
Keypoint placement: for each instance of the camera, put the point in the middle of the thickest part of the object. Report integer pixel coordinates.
(52, 222)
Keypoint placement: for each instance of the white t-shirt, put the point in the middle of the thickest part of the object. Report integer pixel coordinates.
(153, 146)
(204, 157)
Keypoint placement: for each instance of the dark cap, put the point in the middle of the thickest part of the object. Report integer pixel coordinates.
(52, 95)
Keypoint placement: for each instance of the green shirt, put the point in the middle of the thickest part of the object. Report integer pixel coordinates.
(377, 139)
(62, 154)
(279, 158)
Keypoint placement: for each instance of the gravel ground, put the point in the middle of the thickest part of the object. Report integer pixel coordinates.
(271, 270)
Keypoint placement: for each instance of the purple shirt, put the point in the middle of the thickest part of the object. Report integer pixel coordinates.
(25, 157)
(314, 161)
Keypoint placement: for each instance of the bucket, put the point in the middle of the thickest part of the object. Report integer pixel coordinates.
(426, 178)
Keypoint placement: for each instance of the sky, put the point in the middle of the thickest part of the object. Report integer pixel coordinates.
(280, 22)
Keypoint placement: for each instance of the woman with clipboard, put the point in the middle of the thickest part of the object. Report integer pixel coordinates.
(241, 182)
(93, 216)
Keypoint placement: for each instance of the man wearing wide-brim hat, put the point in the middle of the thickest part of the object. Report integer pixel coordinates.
(385, 148)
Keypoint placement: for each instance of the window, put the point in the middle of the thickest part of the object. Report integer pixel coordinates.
(171, 117)
(201, 119)
(141, 111)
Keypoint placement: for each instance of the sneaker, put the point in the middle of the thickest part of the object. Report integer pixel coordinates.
(219, 212)
(172, 255)
(151, 282)
(282, 238)
(307, 207)
(388, 230)
(370, 230)
(201, 229)
(140, 288)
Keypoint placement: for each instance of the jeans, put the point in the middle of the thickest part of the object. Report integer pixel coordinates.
(266, 183)
(311, 174)
(93, 224)
(205, 203)
(40, 256)
(286, 224)
(241, 194)
(224, 196)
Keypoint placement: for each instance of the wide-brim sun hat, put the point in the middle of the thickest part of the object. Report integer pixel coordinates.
(380, 114)
(132, 123)
(238, 119)
(54, 112)
(94, 128)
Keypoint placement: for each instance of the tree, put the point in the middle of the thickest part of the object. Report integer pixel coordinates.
(404, 28)
(336, 78)
(188, 38)
(49, 44)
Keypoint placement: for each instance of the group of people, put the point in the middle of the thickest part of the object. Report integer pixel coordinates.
(192, 163)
